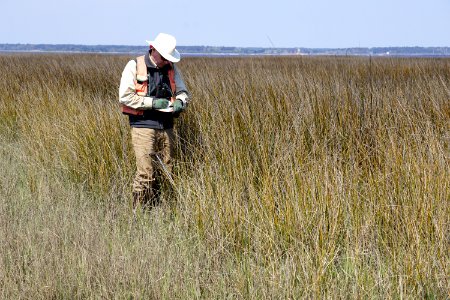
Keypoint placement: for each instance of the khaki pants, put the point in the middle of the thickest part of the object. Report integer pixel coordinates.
(149, 145)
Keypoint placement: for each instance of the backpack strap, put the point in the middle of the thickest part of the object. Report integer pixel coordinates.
(171, 73)
(141, 85)
(141, 68)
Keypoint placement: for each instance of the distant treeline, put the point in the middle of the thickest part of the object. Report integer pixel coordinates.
(211, 50)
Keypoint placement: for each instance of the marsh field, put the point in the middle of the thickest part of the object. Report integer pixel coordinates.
(296, 177)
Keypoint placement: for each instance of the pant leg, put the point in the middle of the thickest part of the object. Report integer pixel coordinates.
(143, 141)
(167, 151)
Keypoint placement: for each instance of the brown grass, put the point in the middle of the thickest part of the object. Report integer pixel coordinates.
(297, 177)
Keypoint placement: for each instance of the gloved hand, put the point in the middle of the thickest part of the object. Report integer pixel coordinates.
(160, 103)
(178, 106)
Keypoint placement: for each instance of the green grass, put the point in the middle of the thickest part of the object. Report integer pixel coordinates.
(296, 177)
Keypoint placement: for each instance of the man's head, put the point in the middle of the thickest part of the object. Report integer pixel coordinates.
(157, 58)
(164, 44)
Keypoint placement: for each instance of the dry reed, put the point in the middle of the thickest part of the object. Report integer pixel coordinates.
(296, 177)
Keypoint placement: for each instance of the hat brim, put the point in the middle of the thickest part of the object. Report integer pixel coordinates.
(173, 57)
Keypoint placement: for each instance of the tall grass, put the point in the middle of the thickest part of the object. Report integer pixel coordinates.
(296, 177)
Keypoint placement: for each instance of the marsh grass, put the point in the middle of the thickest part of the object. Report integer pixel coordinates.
(296, 177)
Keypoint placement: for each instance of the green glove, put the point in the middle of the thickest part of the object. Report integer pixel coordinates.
(160, 103)
(178, 106)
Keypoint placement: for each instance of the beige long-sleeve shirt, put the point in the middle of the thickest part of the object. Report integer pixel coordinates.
(127, 91)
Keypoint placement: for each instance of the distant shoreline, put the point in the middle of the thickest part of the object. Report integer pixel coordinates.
(232, 54)
(212, 51)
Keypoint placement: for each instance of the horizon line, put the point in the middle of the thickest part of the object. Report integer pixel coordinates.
(222, 46)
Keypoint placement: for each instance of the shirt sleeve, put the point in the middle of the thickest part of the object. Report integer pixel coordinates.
(127, 90)
(181, 91)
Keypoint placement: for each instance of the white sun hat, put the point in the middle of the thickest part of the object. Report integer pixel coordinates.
(165, 44)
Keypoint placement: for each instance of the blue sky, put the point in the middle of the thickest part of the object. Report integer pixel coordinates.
(253, 23)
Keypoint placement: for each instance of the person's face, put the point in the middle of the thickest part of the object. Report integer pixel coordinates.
(159, 60)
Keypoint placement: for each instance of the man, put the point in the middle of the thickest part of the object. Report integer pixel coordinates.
(152, 94)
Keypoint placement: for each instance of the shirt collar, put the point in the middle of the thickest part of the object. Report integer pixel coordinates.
(148, 62)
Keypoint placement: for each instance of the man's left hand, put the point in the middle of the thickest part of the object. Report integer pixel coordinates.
(178, 106)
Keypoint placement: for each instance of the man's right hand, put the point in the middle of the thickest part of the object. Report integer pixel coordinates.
(160, 103)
